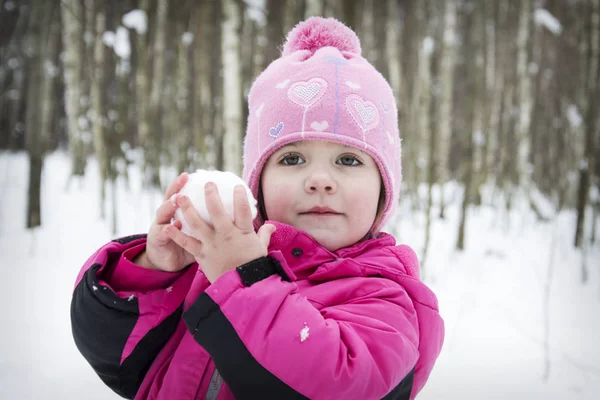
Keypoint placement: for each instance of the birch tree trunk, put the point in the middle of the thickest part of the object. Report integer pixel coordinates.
(232, 87)
(203, 104)
(142, 89)
(275, 10)
(182, 96)
(393, 48)
(294, 13)
(496, 73)
(479, 136)
(445, 118)
(467, 165)
(72, 15)
(158, 78)
(523, 138)
(37, 89)
(587, 162)
(98, 113)
(314, 8)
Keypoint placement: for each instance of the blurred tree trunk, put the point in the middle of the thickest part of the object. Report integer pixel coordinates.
(447, 83)
(392, 51)
(248, 51)
(367, 32)
(314, 8)
(232, 87)
(215, 146)
(506, 40)
(38, 95)
(524, 167)
(294, 13)
(380, 27)
(142, 87)
(591, 116)
(479, 136)
(12, 98)
(182, 95)
(275, 10)
(467, 165)
(98, 106)
(203, 104)
(74, 77)
(495, 81)
(351, 12)
(158, 79)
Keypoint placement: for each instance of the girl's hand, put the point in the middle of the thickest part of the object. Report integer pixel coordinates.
(228, 243)
(162, 252)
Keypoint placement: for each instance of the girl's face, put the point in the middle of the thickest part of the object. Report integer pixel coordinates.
(326, 189)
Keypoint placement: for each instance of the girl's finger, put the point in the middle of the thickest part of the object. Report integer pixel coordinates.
(220, 219)
(195, 222)
(188, 243)
(242, 214)
(166, 211)
(176, 185)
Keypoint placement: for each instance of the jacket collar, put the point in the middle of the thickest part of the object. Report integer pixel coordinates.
(305, 256)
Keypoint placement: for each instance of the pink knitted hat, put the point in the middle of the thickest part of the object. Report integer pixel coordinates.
(322, 89)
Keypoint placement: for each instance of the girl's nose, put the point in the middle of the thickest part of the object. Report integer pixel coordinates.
(320, 181)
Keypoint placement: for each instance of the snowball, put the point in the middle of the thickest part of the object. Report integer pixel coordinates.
(225, 181)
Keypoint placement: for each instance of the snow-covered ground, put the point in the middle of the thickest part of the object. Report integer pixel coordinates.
(491, 295)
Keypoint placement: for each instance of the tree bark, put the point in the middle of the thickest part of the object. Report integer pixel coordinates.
(232, 87)
(523, 137)
(447, 81)
(74, 76)
(158, 78)
(467, 165)
(38, 91)
(96, 92)
(275, 10)
(587, 162)
(182, 101)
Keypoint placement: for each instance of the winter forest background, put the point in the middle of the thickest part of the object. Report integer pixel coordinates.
(102, 103)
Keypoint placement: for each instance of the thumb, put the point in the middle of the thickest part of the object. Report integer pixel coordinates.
(265, 232)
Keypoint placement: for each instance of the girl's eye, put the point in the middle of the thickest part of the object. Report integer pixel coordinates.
(349, 161)
(292, 159)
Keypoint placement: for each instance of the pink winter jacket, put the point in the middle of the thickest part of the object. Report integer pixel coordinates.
(302, 322)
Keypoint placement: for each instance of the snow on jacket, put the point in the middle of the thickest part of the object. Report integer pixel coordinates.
(302, 322)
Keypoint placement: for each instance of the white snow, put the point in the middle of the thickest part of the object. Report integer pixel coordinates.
(187, 38)
(428, 45)
(122, 45)
(136, 19)
(304, 333)
(573, 115)
(13, 63)
(491, 295)
(108, 38)
(256, 11)
(544, 18)
(194, 189)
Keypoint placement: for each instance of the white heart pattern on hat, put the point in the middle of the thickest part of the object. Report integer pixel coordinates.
(363, 112)
(319, 126)
(306, 93)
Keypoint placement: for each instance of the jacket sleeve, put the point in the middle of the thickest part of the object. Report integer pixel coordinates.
(268, 341)
(122, 314)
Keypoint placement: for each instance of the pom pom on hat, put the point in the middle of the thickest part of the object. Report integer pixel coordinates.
(316, 32)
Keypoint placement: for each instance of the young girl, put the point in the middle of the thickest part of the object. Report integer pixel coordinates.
(309, 300)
